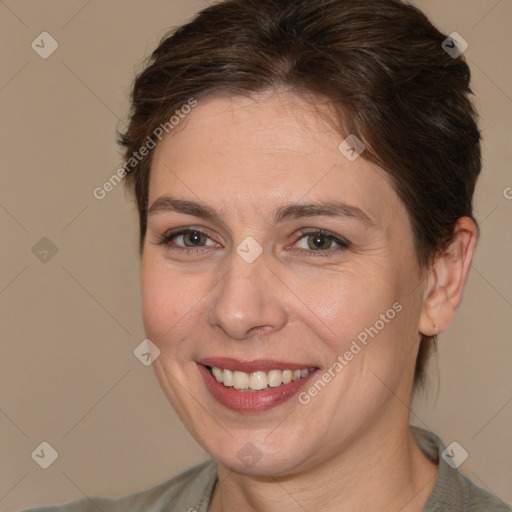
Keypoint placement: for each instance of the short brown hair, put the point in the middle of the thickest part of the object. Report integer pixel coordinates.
(379, 63)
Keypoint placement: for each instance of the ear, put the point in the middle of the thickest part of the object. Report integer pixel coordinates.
(447, 278)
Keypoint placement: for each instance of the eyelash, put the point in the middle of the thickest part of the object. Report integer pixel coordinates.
(168, 237)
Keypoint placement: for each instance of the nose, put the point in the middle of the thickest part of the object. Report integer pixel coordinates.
(248, 301)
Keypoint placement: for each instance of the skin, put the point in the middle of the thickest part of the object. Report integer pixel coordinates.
(350, 447)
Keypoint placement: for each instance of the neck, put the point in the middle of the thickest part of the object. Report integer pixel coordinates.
(385, 472)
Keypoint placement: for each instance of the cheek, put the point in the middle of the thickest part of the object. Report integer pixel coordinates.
(164, 302)
(346, 301)
(364, 318)
(153, 299)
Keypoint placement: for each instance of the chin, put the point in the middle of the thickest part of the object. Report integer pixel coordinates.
(256, 453)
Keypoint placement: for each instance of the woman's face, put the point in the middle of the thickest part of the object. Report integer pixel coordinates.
(294, 257)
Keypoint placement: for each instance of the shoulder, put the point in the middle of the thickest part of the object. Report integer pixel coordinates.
(453, 491)
(189, 491)
(476, 499)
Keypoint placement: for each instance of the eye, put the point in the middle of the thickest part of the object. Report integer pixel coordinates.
(186, 239)
(195, 240)
(320, 241)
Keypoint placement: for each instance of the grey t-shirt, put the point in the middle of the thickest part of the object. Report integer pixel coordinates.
(191, 490)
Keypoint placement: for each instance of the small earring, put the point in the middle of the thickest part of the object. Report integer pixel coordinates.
(436, 330)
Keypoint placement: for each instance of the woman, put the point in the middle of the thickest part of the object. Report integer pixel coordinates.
(304, 173)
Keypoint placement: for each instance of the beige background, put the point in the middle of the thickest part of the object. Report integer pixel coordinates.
(69, 325)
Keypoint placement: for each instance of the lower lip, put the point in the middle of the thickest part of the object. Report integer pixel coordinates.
(251, 401)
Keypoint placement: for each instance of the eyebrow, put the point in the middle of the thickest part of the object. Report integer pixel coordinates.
(284, 212)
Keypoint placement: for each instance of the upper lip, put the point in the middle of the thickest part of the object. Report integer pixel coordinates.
(228, 363)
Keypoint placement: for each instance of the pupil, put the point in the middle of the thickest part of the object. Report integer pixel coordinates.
(194, 237)
(320, 242)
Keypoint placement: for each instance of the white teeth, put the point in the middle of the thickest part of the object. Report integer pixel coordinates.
(240, 380)
(287, 376)
(275, 378)
(258, 380)
(227, 378)
(217, 373)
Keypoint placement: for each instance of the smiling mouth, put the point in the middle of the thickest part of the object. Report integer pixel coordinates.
(257, 381)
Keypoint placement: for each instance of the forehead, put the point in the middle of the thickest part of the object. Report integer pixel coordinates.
(248, 152)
